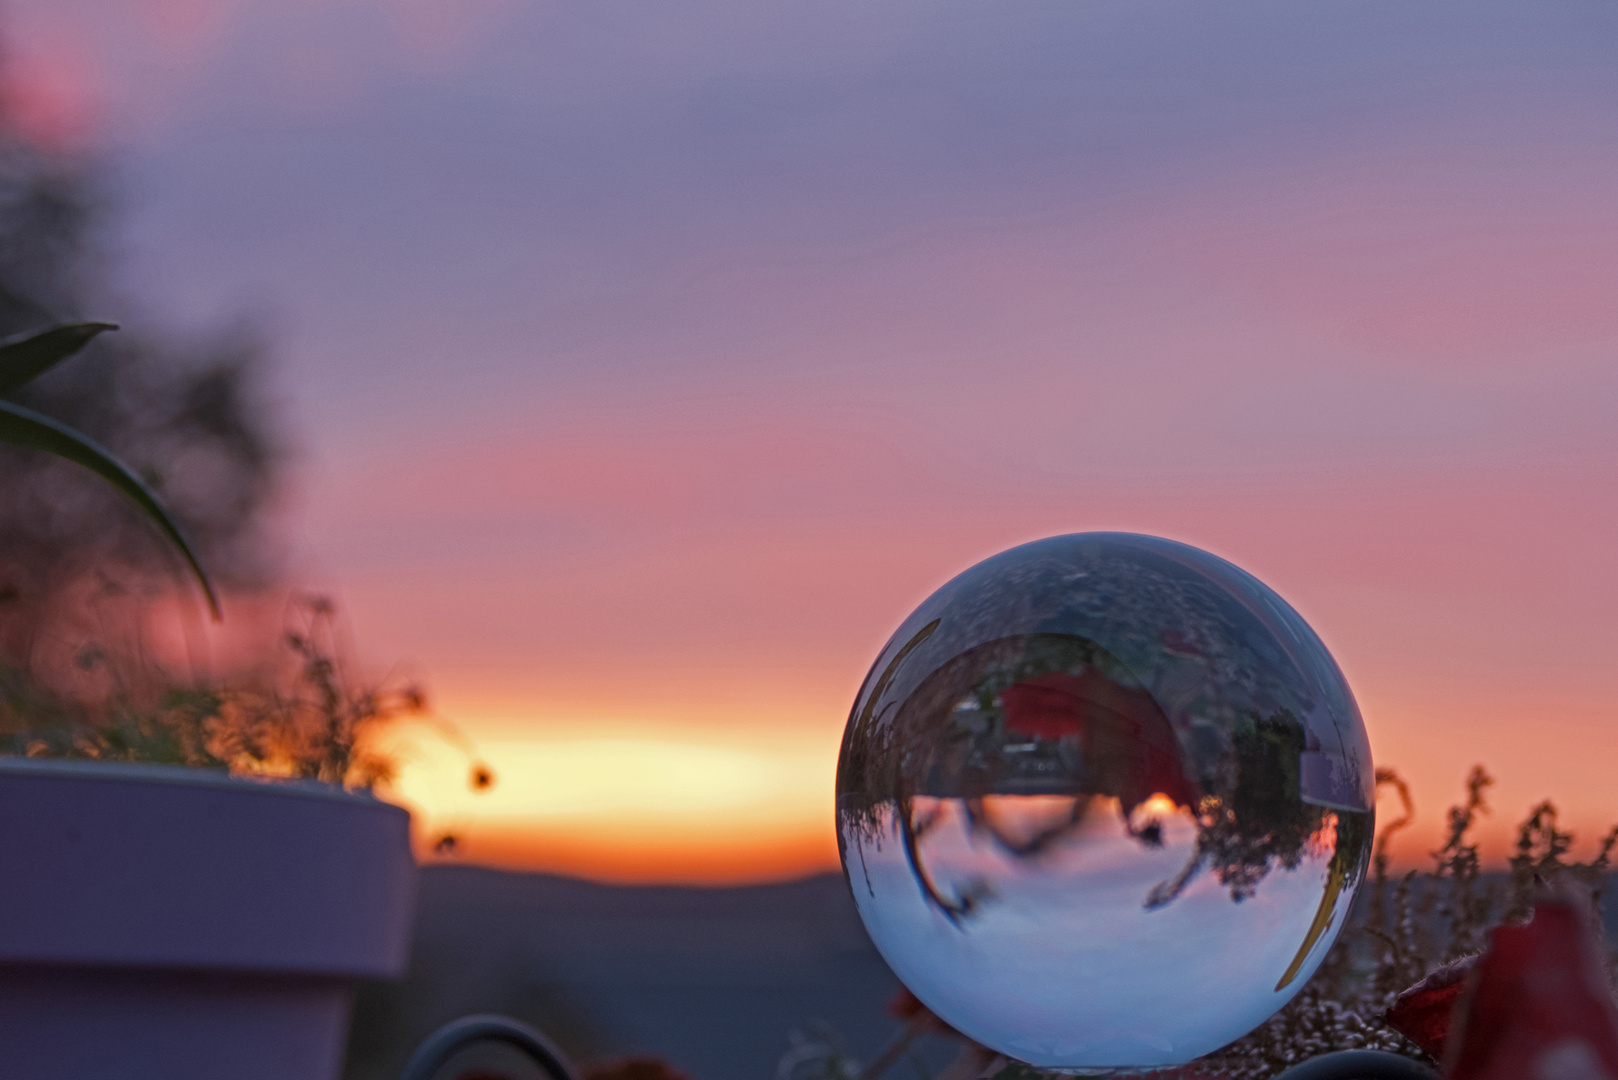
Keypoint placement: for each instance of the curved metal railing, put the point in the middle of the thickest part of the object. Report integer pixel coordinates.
(1359, 1065)
(471, 1031)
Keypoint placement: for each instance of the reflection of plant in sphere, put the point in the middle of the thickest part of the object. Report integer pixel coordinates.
(1262, 821)
(1059, 716)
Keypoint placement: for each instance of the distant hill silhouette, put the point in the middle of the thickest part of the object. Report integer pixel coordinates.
(712, 979)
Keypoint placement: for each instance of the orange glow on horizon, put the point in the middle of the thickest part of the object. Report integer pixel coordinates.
(664, 773)
(644, 804)
(641, 856)
(628, 805)
(717, 804)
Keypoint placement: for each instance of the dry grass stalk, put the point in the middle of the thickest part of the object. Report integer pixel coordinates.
(308, 721)
(1411, 926)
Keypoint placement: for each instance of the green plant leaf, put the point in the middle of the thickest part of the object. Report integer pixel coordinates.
(25, 427)
(24, 358)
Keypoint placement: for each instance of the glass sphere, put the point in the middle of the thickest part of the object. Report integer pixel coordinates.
(1104, 801)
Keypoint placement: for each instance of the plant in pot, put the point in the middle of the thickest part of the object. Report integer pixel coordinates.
(163, 921)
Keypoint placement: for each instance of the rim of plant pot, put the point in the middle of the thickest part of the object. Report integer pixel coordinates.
(111, 864)
(146, 772)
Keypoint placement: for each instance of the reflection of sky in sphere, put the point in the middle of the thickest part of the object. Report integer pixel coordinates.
(1104, 801)
(1064, 964)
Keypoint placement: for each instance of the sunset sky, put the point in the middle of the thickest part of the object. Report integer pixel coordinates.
(649, 362)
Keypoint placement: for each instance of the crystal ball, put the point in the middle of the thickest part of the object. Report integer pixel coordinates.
(1104, 801)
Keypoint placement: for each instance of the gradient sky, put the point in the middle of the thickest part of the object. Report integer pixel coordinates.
(650, 362)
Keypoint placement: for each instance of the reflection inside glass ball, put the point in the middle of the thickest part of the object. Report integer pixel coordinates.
(1104, 802)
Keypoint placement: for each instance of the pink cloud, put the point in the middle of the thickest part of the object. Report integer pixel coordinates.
(52, 89)
(114, 72)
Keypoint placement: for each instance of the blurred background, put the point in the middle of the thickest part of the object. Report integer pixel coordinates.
(626, 372)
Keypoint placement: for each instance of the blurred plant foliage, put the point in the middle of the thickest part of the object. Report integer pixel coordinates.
(307, 720)
(191, 419)
(24, 359)
(82, 571)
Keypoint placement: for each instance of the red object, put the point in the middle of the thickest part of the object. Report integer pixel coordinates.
(634, 1068)
(1423, 1013)
(1127, 740)
(907, 1007)
(1539, 1004)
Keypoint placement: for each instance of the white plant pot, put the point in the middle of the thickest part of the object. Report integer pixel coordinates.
(176, 924)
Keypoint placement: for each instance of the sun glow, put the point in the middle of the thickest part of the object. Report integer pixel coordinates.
(628, 806)
(1158, 806)
(625, 777)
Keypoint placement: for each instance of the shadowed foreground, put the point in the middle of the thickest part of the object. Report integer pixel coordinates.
(714, 980)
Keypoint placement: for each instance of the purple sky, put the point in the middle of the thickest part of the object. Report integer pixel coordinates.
(651, 361)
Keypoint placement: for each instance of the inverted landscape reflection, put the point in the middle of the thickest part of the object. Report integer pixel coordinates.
(1104, 802)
